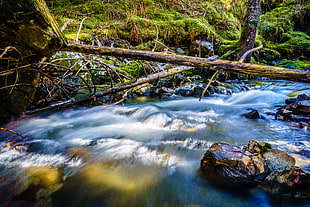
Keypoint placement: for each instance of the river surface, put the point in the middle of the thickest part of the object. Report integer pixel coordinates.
(148, 154)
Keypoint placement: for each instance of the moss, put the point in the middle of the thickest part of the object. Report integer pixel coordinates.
(177, 23)
(296, 44)
(264, 146)
(277, 26)
(134, 68)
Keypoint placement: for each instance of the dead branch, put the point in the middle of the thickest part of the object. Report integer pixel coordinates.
(78, 33)
(248, 52)
(64, 26)
(12, 131)
(114, 90)
(207, 86)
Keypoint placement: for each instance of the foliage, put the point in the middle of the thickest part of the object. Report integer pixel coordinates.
(161, 24)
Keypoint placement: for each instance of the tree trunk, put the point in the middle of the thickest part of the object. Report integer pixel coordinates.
(25, 37)
(248, 33)
(215, 64)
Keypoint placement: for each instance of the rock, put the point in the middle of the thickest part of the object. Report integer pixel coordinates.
(200, 48)
(288, 182)
(300, 107)
(36, 185)
(42, 175)
(297, 109)
(180, 51)
(233, 164)
(184, 91)
(302, 97)
(143, 89)
(252, 114)
(277, 159)
(256, 163)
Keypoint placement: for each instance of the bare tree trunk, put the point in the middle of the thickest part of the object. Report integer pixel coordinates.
(248, 33)
(215, 64)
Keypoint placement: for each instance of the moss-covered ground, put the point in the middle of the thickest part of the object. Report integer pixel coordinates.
(157, 25)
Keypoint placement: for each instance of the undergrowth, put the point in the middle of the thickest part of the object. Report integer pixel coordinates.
(160, 24)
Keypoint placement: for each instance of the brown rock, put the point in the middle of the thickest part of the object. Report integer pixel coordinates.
(235, 164)
(289, 182)
(256, 163)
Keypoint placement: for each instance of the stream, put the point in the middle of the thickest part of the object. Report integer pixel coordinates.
(148, 153)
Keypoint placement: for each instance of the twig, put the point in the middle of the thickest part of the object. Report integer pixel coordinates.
(248, 52)
(18, 84)
(12, 131)
(124, 87)
(78, 33)
(207, 86)
(156, 40)
(65, 25)
(9, 48)
(55, 65)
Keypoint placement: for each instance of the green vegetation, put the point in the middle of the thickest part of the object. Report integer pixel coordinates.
(161, 24)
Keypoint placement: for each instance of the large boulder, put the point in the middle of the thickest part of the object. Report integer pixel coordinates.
(256, 163)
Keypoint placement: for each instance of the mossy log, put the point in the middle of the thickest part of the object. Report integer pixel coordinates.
(215, 64)
(28, 33)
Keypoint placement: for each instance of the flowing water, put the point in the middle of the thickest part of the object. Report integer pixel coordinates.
(148, 154)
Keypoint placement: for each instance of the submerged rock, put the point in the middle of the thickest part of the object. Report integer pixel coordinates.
(256, 163)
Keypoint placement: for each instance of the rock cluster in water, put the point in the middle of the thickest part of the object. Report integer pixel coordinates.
(256, 163)
(297, 109)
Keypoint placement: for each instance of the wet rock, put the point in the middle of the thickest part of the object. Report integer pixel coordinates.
(180, 51)
(36, 185)
(142, 90)
(164, 91)
(234, 164)
(184, 91)
(80, 152)
(256, 163)
(198, 90)
(252, 114)
(42, 175)
(297, 109)
(277, 159)
(289, 182)
(202, 48)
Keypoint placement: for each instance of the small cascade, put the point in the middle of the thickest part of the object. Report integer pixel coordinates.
(147, 154)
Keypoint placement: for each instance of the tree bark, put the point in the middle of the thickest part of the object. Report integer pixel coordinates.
(28, 33)
(215, 64)
(248, 33)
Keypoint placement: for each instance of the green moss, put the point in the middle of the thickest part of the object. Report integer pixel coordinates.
(264, 146)
(177, 23)
(134, 68)
(296, 44)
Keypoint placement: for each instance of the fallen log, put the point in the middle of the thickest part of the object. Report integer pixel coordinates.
(147, 79)
(214, 64)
